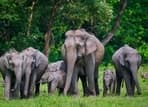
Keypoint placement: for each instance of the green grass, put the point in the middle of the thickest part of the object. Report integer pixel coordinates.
(44, 100)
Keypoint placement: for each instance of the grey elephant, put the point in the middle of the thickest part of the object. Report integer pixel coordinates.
(127, 62)
(11, 70)
(109, 82)
(55, 76)
(82, 47)
(34, 65)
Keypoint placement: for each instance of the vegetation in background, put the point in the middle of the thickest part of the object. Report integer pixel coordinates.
(25, 23)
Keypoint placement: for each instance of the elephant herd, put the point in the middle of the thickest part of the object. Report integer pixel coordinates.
(21, 72)
(82, 53)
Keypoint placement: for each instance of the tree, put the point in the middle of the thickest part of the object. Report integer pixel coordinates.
(110, 34)
(30, 17)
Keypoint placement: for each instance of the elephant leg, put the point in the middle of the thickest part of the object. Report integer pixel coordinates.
(127, 78)
(104, 91)
(74, 83)
(96, 81)
(54, 85)
(113, 87)
(7, 87)
(119, 80)
(37, 88)
(133, 85)
(90, 68)
(32, 83)
(84, 84)
(61, 90)
(49, 87)
(15, 88)
(110, 90)
(22, 89)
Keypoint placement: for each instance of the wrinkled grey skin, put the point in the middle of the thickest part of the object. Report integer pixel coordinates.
(55, 76)
(80, 45)
(11, 70)
(34, 65)
(127, 62)
(109, 82)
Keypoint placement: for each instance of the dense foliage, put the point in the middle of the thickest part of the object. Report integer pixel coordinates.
(96, 16)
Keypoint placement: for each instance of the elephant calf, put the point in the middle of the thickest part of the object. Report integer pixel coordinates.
(144, 75)
(55, 76)
(109, 81)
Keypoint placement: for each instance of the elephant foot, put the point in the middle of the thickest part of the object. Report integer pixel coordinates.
(73, 94)
(7, 98)
(91, 93)
(129, 95)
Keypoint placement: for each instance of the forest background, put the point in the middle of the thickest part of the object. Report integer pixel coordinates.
(42, 24)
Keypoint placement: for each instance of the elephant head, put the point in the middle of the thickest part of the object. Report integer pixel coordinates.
(83, 41)
(108, 78)
(131, 60)
(47, 77)
(77, 44)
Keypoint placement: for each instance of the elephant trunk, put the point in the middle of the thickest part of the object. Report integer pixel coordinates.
(7, 86)
(17, 84)
(135, 78)
(27, 80)
(70, 61)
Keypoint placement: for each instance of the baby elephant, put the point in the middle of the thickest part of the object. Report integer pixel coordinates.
(54, 76)
(144, 75)
(109, 81)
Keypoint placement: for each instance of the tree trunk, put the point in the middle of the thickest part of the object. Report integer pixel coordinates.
(116, 25)
(47, 38)
(30, 17)
(49, 31)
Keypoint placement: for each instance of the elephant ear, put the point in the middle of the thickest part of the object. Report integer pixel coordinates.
(7, 60)
(90, 46)
(139, 59)
(121, 60)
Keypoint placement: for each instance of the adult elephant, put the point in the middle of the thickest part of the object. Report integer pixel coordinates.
(127, 61)
(82, 47)
(11, 70)
(34, 65)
